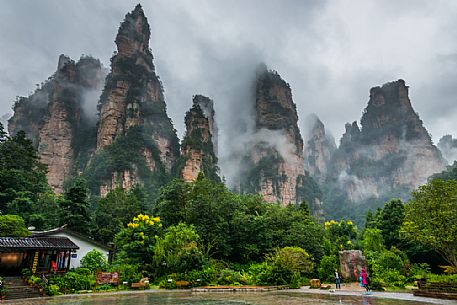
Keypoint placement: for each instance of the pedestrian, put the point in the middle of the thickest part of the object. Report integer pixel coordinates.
(364, 282)
(337, 279)
(53, 267)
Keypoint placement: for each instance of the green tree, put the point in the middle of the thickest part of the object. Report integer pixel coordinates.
(136, 242)
(341, 235)
(22, 176)
(114, 211)
(373, 241)
(390, 221)
(289, 264)
(75, 207)
(431, 218)
(178, 250)
(13, 226)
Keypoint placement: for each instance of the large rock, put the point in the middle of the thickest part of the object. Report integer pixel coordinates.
(274, 165)
(318, 150)
(198, 148)
(351, 264)
(133, 98)
(389, 155)
(54, 116)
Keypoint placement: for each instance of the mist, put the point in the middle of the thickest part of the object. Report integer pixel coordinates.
(330, 52)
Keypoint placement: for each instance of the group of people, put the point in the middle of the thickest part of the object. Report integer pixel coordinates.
(364, 280)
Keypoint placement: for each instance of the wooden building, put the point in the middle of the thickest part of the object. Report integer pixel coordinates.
(35, 253)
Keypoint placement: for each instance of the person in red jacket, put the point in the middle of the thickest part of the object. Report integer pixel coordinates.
(53, 267)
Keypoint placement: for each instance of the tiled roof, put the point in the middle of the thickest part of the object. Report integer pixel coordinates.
(36, 243)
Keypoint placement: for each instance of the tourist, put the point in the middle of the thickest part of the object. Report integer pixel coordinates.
(337, 279)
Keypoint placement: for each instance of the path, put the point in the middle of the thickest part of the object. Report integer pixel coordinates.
(354, 289)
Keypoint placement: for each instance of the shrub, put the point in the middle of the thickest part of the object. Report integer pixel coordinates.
(52, 290)
(393, 278)
(128, 272)
(231, 277)
(202, 277)
(327, 267)
(262, 273)
(26, 272)
(94, 260)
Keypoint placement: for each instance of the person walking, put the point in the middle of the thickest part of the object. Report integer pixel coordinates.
(364, 281)
(337, 279)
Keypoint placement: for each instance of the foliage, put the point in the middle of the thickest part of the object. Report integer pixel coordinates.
(72, 281)
(390, 221)
(178, 251)
(75, 207)
(136, 242)
(22, 176)
(94, 260)
(341, 235)
(237, 228)
(52, 290)
(431, 218)
(129, 272)
(327, 267)
(13, 226)
(449, 174)
(231, 277)
(116, 209)
(441, 278)
(388, 268)
(126, 153)
(373, 240)
(289, 264)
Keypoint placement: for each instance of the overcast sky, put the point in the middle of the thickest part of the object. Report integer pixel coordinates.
(331, 52)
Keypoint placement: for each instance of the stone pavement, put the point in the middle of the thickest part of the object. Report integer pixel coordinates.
(354, 289)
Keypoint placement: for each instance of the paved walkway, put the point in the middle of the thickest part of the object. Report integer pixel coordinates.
(354, 289)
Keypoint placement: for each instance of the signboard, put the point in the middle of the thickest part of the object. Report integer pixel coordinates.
(74, 255)
(107, 278)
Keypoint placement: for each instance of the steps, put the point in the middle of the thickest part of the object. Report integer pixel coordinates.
(18, 289)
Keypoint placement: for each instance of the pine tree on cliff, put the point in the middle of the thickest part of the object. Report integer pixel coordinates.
(136, 141)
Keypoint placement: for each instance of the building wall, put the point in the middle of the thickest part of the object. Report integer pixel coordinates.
(84, 247)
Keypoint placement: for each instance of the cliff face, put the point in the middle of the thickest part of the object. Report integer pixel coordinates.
(318, 150)
(197, 149)
(53, 116)
(133, 99)
(391, 151)
(448, 147)
(275, 165)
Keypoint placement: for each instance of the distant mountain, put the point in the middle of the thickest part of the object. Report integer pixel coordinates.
(390, 155)
(319, 149)
(448, 147)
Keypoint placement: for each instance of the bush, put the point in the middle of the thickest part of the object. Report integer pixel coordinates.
(262, 273)
(327, 267)
(72, 282)
(52, 290)
(441, 278)
(94, 260)
(202, 277)
(128, 272)
(231, 277)
(167, 284)
(393, 278)
(26, 272)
